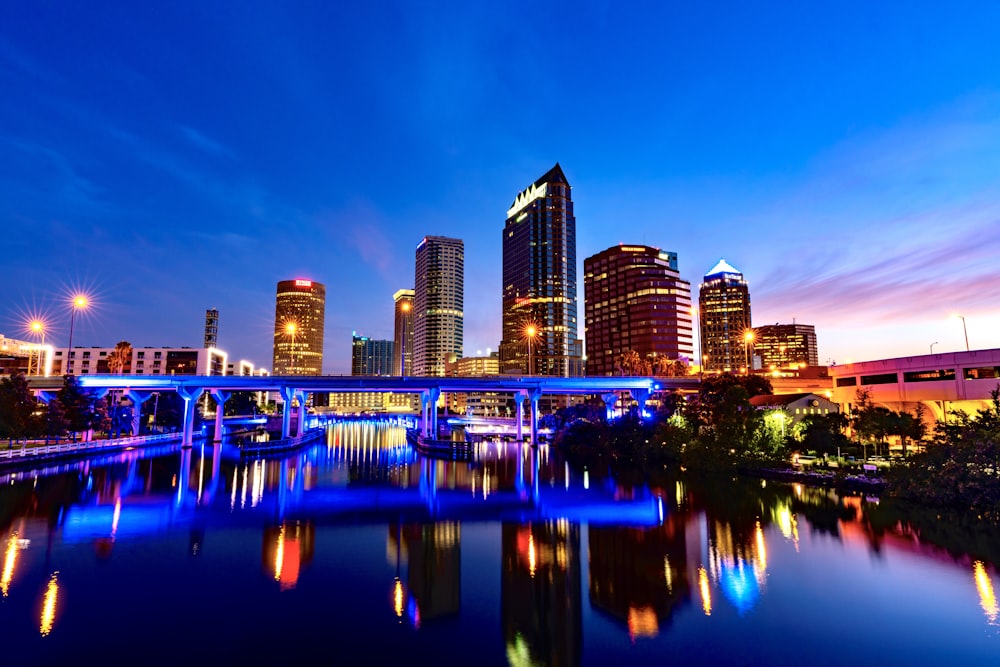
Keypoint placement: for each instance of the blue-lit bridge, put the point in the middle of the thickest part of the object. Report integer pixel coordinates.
(139, 388)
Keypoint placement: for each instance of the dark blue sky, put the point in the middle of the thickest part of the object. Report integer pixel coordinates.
(172, 157)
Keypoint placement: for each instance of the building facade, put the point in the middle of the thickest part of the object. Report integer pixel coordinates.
(299, 319)
(785, 346)
(403, 332)
(438, 314)
(143, 361)
(211, 328)
(370, 356)
(539, 301)
(635, 300)
(724, 312)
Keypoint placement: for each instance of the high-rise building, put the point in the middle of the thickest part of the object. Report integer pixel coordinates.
(539, 281)
(403, 333)
(299, 318)
(785, 345)
(211, 328)
(438, 303)
(635, 300)
(724, 310)
(371, 357)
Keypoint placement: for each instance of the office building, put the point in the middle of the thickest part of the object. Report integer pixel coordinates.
(299, 318)
(143, 361)
(438, 304)
(539, 304)
(403, 332)
(724, 312)
(371, 357)
(785, 346)
(635, 300)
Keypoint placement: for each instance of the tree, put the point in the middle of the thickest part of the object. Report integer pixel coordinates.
(241, 403)
(120, 358)
(629, 363)
(18, 407)
(81, 408)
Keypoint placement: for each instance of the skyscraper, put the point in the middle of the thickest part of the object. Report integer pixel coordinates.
(634, 299)
(371, 357)
(786, 345)
(724, 305)
(438, 303)
(299, 316)
(539, 281)
(403, 333)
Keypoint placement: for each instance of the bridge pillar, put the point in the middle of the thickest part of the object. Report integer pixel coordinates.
(137, 398)
(533, 397)
(190, 396)
(287, 394)
(300, 427)
(220, 398)
(609, 405)
(519, 403)
(428, 400)
(184, 474)
(641, 396)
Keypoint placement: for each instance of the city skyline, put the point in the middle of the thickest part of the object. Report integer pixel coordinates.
(846, 161)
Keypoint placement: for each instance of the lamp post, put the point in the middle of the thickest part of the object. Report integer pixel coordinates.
(405, 307)
(932, 346)
(747, 342)
(964, 331)
(80, 302)
(696, 322)
(290, 329)
(37, 327)
(530, 332)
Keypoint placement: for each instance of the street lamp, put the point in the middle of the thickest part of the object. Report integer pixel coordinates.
(37, 327)
(747, 343)
(696, 322)
(530, 332)
(932, 346)
(290, 329)
(80, 302)
(405, 307)
(964, 331)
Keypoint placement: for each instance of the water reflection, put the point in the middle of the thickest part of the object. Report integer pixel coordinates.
(578, 561)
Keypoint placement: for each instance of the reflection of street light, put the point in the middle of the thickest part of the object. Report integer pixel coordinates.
(80, 302)
(530, 332)
(747, 342)
(965, 331)
(290, 329)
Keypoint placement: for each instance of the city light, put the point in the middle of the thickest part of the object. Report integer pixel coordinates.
(49, 605)
(79, 302)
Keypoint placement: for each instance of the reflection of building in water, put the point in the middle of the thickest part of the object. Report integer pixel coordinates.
(286, 549)
(735, 561)
(540, 593)
(639, 575)
(432, 554)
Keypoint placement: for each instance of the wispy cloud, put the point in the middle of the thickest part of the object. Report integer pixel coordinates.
(204, 143)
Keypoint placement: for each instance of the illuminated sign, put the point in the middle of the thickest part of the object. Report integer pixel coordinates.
(527, 196)
(303, 283)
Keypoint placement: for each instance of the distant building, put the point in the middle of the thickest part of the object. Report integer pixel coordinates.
(144, 361)
(299, 319)
(539, 281)
(211, 328)
(403, 332)
(724, 311)
(796, 406)
(370, 356)
(785, 345)
(635, 299)
(438, 303)
(21, 356)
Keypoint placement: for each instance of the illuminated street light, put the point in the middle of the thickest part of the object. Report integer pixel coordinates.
(290, 329)
(37, 328)
(530, 331)
(405, 307)
(80, 302)
(748, 336)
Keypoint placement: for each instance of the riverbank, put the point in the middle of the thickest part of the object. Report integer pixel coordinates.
(838, 481)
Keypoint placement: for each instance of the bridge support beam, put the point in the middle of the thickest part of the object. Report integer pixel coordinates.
(519, 419)
(300, 426)
(137, 398)
(190, 396)
(641, 396)
(220, 398)
(609, 405)
(533, 397)
(287, 394)
(429, 421)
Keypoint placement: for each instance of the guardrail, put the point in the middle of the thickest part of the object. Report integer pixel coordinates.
(40, 451)
(269, 446)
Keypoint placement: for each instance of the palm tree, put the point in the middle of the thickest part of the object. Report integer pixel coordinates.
(120, 358)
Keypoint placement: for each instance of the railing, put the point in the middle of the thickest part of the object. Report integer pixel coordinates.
(26, 452)
(281, 445)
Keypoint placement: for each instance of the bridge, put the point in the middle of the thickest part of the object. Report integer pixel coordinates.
(941, 382)
(139, 388)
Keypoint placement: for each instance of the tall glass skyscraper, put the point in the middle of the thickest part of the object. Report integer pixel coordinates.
(299, 318)
(724, 305)
(539, 281)
(438, 304)
(635, 300)
(371, 357)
